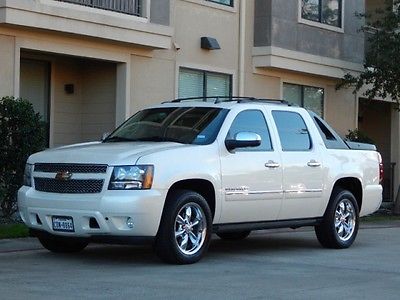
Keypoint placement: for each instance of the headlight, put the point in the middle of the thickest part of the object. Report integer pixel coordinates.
(131, 178)
(28, 175)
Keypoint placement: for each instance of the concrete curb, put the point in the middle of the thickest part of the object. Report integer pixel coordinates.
(19, 245)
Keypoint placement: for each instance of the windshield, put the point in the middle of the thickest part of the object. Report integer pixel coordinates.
(186, 125)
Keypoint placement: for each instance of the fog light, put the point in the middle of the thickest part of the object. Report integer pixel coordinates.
(129, 222)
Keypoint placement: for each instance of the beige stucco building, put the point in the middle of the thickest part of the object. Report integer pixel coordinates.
(87, 65)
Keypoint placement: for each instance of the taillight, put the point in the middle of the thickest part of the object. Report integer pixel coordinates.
(381, 173)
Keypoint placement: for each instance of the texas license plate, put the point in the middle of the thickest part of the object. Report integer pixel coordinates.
(65, 224)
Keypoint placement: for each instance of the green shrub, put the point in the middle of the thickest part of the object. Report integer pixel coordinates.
(358, 136)
(21, 133)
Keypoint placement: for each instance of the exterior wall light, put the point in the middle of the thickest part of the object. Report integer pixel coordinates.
(209, 43)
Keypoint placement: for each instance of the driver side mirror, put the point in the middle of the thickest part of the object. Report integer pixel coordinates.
(242, 140)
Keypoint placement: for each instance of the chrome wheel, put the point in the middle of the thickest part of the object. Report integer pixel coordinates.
(345, 220)
(190, 228)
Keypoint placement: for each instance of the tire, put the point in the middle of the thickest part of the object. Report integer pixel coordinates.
(62, 244)
(339, 226)
(233, 236)
(185, 229)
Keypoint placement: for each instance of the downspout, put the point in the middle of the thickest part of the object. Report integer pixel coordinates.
(242, 32)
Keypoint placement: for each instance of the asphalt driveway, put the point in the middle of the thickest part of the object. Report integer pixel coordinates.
(267, 265)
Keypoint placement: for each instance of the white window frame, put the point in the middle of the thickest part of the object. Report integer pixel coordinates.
(220, 3)
(206, 68)
(205, 74)
(313, 85)
(322, 25)
(211, 4)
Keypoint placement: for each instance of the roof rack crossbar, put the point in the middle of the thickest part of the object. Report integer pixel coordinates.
(272, 101)
(204, 99)
(220, 99)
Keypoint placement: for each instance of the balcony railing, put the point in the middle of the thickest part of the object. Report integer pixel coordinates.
(130, 7)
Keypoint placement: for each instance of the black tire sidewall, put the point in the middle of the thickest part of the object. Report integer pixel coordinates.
(330, 218)
(166, 234)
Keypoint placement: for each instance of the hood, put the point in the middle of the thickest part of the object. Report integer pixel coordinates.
(101, 153)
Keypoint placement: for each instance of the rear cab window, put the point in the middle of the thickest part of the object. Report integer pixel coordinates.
(331, 139)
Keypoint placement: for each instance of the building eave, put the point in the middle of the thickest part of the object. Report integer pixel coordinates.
(279, 58)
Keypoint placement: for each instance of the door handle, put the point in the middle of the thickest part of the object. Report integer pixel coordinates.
(272, 165)
(313, 164)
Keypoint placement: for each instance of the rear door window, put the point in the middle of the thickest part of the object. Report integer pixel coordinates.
(292, 130)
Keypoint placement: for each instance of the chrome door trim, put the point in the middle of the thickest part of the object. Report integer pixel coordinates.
(253, 192)
(303, 191)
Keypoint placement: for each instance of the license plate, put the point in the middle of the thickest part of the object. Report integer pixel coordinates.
(65, 224)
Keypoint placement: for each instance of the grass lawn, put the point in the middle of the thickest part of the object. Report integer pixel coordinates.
(13, 231)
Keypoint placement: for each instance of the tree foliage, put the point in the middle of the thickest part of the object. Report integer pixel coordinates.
(21, 133)
(381, 73)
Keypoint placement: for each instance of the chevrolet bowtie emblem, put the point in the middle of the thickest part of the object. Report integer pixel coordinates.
(63, 175)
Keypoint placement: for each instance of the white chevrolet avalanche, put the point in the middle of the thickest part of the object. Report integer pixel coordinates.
(175, 173)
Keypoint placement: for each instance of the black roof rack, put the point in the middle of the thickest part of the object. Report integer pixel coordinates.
(221, 99)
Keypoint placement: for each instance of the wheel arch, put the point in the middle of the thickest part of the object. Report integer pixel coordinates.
(353, 185)
(202, 186)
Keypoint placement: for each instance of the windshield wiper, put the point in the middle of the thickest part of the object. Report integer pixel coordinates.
(158, 139)
(118, 139)
(143, 139)
(167, 139)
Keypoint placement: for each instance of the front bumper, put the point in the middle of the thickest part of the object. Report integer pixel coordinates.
(110, 209)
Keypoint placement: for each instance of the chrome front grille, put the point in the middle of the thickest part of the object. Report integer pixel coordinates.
(69, 178)
(73, 168)
(72, 186)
